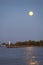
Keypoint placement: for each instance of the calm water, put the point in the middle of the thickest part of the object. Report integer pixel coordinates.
(21, 56)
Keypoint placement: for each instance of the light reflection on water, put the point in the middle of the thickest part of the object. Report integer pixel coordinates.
(33, 61)
(30, 57)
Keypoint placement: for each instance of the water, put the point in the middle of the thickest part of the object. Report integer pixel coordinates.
(21, 56)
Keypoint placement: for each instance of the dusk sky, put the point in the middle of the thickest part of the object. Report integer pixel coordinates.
(16, 24)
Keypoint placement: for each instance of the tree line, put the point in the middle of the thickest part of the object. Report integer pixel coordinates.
(24, 44)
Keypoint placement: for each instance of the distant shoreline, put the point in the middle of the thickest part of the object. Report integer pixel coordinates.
(23, 44)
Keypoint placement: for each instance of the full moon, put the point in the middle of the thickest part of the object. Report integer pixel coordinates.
(30, 13)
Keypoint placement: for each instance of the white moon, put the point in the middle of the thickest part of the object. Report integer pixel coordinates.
(30, 13)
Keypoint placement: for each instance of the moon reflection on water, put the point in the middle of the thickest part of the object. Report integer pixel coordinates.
(30, 58)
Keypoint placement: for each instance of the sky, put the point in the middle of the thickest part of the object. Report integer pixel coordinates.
(16, 24)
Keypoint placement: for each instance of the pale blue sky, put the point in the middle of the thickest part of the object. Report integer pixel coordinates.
(16, 24)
